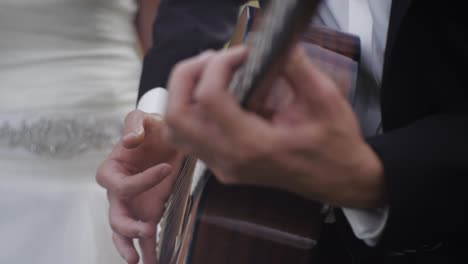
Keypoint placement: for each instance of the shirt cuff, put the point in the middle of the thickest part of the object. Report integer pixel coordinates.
(367, 225)
(154, 101)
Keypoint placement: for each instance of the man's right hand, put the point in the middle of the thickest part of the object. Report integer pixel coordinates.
(139, 175)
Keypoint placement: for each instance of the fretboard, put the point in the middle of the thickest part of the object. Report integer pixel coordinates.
(282, 22)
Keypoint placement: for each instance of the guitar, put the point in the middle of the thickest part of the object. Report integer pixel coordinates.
(206, 222)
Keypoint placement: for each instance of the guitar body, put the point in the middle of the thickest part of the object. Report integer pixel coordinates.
(254, 225)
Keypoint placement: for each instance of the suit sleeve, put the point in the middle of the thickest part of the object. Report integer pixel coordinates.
(424, 166)
(182, 29)
(425, 159)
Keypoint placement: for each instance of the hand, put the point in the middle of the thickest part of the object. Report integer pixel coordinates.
(138, 175)
(312, 146)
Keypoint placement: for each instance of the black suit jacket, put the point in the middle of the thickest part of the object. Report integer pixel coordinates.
(424, 148)
(182, 29)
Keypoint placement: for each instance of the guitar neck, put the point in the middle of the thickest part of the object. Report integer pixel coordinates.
(282, 23)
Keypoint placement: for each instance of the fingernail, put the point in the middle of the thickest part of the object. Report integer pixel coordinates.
(130, 135)
(139, 131)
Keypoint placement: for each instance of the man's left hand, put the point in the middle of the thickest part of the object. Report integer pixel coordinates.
(312, 146)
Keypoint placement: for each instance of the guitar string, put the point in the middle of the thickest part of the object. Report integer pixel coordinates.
(168, 225)
(242, 82)
(178, 188)
(265, 35)
(169, 232)
(176, 219)
(181, 188)
(252, 67)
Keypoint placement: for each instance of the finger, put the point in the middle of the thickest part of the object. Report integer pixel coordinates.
(225, 120)
(188, 136)
(133, 132)
(148, 250)
(217, 103)
(137, 124)
(123, 224)
(216, 147)
(112, 176)
(218, 73)
(193, 137)
(181, 82)
(308, 82)
(125, 248)
(211, 92)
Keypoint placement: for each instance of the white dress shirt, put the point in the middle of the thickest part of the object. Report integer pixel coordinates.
(369, 20)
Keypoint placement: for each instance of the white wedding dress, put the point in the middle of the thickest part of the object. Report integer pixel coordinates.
(69, 72)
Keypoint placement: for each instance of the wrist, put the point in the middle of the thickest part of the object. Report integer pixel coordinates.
(370, 191)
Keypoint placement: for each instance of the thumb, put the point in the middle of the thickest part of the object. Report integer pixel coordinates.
(133, 131)
(137, 124)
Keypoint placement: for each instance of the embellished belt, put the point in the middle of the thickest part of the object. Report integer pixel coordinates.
(60, 137)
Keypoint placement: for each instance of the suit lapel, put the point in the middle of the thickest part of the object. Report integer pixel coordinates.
(398, 13)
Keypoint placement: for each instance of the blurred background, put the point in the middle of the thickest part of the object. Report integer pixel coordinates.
(69, 72)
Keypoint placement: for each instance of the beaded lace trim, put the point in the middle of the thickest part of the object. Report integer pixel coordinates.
(60, 137)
